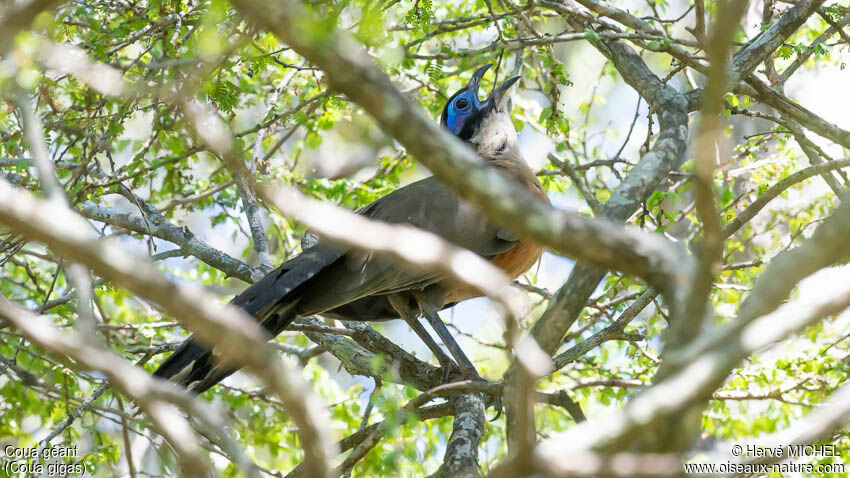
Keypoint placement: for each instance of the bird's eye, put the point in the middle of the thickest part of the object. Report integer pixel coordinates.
(462, 103)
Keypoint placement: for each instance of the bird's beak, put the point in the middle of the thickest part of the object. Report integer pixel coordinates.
(500, 95)
(475, 81)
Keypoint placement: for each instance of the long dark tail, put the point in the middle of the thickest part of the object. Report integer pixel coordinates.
(272, 300)
(192, 366)
(197, 369)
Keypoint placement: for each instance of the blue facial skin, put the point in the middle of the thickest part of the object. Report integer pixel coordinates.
(460, 109)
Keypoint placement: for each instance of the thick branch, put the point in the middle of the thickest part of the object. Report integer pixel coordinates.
(689, 319)
(255, 221)
(358, 357)
(461, 459)
(642, 180)
(835, 27)
(157, 225)
(765, 43)
(661, 406)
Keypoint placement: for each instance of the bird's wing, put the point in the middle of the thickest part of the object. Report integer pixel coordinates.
(430, 205)
(426, 204)
(325, 276)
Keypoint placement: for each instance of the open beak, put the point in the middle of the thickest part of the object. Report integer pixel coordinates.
(500, 94)
(475, 81)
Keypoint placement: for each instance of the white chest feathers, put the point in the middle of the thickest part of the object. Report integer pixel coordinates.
(495, 135)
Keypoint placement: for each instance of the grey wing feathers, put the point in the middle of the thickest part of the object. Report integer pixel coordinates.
(324, 277)
(430, 205)
(278, 284)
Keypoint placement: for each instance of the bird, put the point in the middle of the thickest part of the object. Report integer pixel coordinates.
(339, 283)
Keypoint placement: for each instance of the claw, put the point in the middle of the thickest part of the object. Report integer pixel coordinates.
(449, 369)
(472, 374)
(448, 372)
(498, 407)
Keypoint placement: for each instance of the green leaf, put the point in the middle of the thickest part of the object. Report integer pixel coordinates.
(313, 139)
(591, 35)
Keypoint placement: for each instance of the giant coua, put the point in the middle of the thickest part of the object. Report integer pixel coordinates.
(344, 284)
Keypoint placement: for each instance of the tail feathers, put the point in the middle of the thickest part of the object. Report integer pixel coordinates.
(198, 369)
(192, 366)
(273, 301)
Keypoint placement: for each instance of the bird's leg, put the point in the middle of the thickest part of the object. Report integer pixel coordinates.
(439, 353)
(430, 301)
(400, 304)
(467, 369)
(447, 365)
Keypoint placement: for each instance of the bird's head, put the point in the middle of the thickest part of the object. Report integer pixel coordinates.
(486, 124)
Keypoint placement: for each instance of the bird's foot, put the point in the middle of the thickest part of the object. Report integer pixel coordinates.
(472, 374)
(451, 372)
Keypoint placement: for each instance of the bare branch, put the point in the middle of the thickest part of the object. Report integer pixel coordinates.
(698, 29)
(811, 152)
(761, 201)
(690, 386)
(461, 459)
(690, 318)
(145, 390)
(157, 225)
(828, 417)
(255, 222)
(835, 27)
(765, 43)
(238, 338)
(643, 179)
(612, 332)
(358, 357)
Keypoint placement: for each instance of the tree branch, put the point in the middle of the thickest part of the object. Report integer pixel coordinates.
(239, 338)
(352, 72)
(661, 406)
(690, 318)
(612, 332)
(761, 201)
(146, 391)
(748, 57)
(157, 225)
(13, 20)
(461, 458)
(642, 180)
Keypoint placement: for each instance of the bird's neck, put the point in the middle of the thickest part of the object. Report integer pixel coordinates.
(511, 164)
(495, 135)
(495, 140)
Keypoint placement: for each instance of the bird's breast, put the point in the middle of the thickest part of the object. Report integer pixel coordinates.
(514, 262)
(519, 259)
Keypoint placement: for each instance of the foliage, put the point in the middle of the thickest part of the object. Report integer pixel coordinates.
(291, 128)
